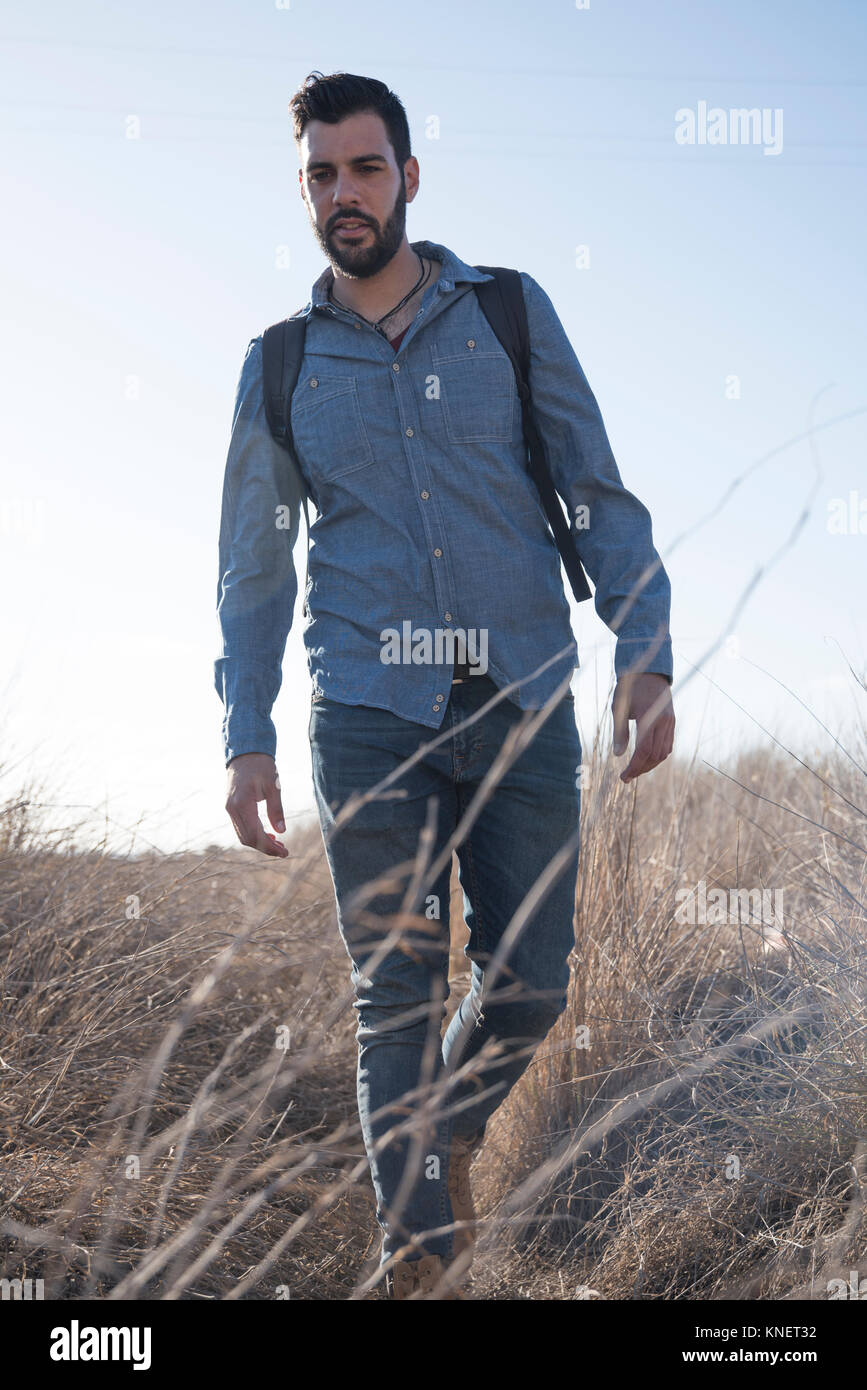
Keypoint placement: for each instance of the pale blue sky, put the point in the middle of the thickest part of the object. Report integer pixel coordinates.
(155, 260)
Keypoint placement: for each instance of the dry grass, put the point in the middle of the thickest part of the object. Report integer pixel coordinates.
(155, 1142)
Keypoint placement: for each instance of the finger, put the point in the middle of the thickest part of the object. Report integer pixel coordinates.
(663, 738)
(250, 830)
(274, 805)
(650, 750)
(638, 763)
(620, 710)
(269, 844)
(266, 843)
(658, 752)
(641, 758)
(667, 736)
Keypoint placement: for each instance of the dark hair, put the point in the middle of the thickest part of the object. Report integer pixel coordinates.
(342, 94)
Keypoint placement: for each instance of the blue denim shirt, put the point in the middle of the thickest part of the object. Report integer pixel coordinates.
(425, 515)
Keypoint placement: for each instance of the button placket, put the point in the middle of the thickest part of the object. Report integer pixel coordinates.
(432, 523)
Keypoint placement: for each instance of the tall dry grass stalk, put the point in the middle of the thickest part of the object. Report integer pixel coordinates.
(177, 1059)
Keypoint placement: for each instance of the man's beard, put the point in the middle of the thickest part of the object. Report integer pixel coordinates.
(359, 262)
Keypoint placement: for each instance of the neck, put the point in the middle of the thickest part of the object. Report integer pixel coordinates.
(374, 295)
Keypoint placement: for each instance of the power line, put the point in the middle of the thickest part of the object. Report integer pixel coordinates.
(267, 122)
(472, 69)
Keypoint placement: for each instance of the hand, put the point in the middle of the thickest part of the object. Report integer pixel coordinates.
(253, 778)
(646, 698)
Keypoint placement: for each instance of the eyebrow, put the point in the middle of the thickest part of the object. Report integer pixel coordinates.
(359, 159)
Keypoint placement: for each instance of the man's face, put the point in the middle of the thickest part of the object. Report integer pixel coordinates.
(349, 174)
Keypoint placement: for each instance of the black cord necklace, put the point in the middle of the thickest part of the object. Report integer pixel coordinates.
(423, 275)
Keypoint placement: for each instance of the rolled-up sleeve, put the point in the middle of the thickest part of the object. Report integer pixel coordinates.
(257, 586)
(613, 533)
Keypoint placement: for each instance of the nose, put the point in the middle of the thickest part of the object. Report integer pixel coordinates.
(345, 192)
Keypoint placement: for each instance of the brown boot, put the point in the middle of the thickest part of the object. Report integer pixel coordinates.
(418, 1279)
(461, 1155)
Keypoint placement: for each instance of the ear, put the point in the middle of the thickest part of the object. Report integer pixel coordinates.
(411, 177)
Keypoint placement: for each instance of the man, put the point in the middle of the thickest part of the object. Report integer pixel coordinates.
(437, 633)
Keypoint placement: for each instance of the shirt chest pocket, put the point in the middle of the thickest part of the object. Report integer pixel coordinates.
(477, 395)
(328, 426)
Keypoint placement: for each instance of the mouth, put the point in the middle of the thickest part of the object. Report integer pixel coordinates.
(350, 228)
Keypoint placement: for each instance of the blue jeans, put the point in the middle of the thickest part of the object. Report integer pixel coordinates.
(414, 1091)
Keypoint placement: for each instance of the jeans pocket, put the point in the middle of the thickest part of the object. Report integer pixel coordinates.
(316, 699)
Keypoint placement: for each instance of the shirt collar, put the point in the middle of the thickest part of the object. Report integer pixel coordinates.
(453, 272)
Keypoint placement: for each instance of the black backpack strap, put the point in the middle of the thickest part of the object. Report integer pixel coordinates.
(282, 354)
(502, 302)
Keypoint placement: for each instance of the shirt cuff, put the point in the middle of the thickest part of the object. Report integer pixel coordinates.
(630, 655)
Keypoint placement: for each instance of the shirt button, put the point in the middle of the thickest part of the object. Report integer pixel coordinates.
(436, 709)
(438, 552)
(471, 342)
(440, 697)
(448, 617)
(410, 431)
(425, 496)
(395, 366)
(314, 381)
(358, 325)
